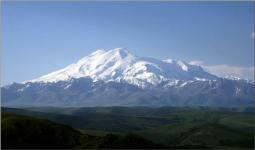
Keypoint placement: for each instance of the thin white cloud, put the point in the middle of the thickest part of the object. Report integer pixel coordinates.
(227, 70)
(253, 35)
(196, 62)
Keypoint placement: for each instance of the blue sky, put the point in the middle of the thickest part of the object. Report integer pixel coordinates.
(40, 37)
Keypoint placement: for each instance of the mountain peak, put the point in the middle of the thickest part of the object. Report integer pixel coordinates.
(120, 65)
(119, 49)
(99, 51)
(120, 52)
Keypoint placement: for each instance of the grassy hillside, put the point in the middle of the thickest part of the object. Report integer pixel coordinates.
(172, 127)
(210, 135)
(19, 131)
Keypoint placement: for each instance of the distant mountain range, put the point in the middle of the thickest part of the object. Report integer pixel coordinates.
(118, 78)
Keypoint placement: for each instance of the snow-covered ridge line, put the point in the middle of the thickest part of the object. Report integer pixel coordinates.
(120, 65)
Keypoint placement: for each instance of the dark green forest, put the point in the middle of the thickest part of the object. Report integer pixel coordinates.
(128, 127)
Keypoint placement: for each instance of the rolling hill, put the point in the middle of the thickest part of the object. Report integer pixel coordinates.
(171, 127)
(19, 131)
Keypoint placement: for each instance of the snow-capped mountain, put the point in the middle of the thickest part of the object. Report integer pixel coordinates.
(120, 65)
(118, 78)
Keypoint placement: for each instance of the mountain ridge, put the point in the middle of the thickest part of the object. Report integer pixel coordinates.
(118, 78)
